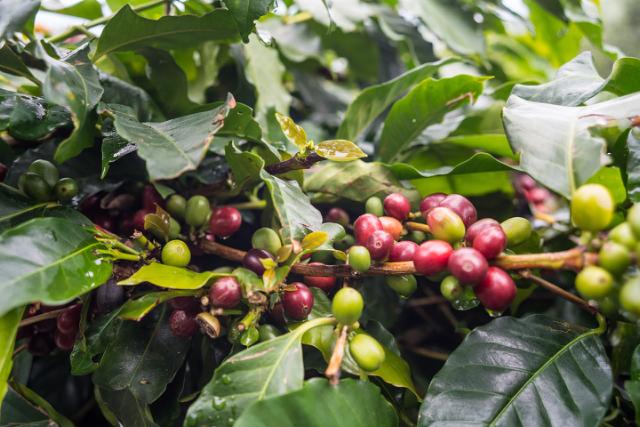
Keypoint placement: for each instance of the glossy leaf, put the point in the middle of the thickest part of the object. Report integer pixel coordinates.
(424, 105)
(534, 370)
(121, 406)
(292, 131)
(353, 403)
(170, 277)
(30, 118)
(632, 386)
(15, 14)
(12, 64)
(129, 31)
(23, 407)
(87, 9)
(267, 369)
(8, 329)
(245, 12)
(51, 260)
(137, 309)
(93, 342)
(339, 150)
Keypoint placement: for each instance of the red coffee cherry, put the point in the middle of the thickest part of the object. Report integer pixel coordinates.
(479, 226)
(497, 290)
(338, 215)
(65, 341)
(188, 304)
(391, 226)
(68, 321)
(225, 292)
(324, 283)
(151, 198)
(397, 205)
(462, 206)
(364, 226)
(252, 259)
(379, 245)
(430, 202)
(298, 303)
(138, 218)
(538, 195)
(490, 242)
(468, 265)
(403, 251)
(224, 221)
(182, 323)
(432, 257)
(525, 182)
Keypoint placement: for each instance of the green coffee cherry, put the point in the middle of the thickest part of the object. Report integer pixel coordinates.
(367, 352)
(36, 187)
(594, 282)
(417, 236)
(624, 235)
(608, 305)
(630, 296)
(347, 306)
(345, 243)
(65, 189)
(517, 229)
(633, 218)
(359, 258)
(404, 285)
(268, 332)
(450, 288)
(197, 211)
(177, 206)
(374, 206)
(176, 253)
(250, 336)
(614, 258)
(592, 207)
(267, 239)
(446, 225)
(47, 170)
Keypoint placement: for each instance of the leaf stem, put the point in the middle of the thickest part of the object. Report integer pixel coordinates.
(333, 369)
(559, 291)
(254, 204)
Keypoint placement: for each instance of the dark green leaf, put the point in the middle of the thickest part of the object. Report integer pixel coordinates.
(167, 276)
(8, 329)
(117, 91)
(41, 405)
(12, 64)
(100, 332)
(533, 371)
(113, 147)
(351, 403)
(30, 118)
(87, 9)
(121, 406)
(18, 411)
(246, 12)
(15, 14)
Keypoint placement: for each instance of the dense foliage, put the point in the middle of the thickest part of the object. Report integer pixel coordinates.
(316, 213)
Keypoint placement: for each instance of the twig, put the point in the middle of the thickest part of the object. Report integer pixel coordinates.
(417, 226)
(256, 204)
(18, 349)
(431, 354)
(559, 291)
(44, 316)
(294, 163)
(333, 370)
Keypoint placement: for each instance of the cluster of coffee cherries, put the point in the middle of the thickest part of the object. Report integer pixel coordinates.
(56, 332)
(538, 197)
(42, 183)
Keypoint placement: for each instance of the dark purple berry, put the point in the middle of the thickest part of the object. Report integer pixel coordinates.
(225, 292)
(183, 323)
(252, 259)
(297, 303)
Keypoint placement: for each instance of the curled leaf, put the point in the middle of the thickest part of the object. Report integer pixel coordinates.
(339, 150)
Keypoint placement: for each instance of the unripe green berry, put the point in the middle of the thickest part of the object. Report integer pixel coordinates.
(36, 187)
(344, 243)
(367, 352)
(517, 230)
(47, 170)
(66, 189)
(633, 218)
(404, 285)
(594, 282)
(174, 228)
(359, 258)
(614, 258)
(624, 235)
(268, 332)
(374, 206)
(267, 239)
(592, 207)
(176, 253)
(347, 306)
(630, 296)
(446, 225)
(417, 236)
(451, 289)
(197, 211)
(177, 206)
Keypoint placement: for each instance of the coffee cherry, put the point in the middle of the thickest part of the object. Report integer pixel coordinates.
(176, 253)
(174, 229)
(517, 229)
(430, 202)
(445, 225)
(367, 352)
(594, 282)
(138, 219)
(197, 211)
(379, 245)
(224, 221)
(614, 258)
(267, 239)
(633, 218)
(397, 206)
(297, 304)
(65, 341)
(468, 265)
(479, 226)
(268, 332)
(338, 215)
(347, 306)
(345, 243)
(359, 258)
(630, 296)
(177, 206)
(188, 304)
(66, 189)
(324, 283)
(182, 323)
(490, 242)
(250, 336)
(46, 170)
(364, 226)
(225, 292)
(450, 288)
(68, 321)
(36, 187)
(592, 207)
(3, 171)
(252, 259)
(417, 236)
(462, 206)
(391, 226)
(404, 285)
(150, 198)
(403, 251)
(525, 182)
(624, 235)
(538, 195)
(374, 206)
(432, 257)
(497, 290)
(109, 296)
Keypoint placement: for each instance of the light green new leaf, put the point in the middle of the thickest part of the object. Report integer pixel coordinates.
(137, 309)
(8, 329)
(339, 150)
(170, 277)
(294, 133)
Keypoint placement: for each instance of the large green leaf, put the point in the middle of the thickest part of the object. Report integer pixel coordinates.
(351, 403)
(14, 204)
(30, 118)
(175, 146)
(122, 408)
(167, 276)
(93, 342)
(426, 104)
(373, 100)
(15, 14)
(23, 407)
(8, 329)
(12, 64)
(129, 31)
(633, 165)
(246, 12)
(87, 9)
(51, 260)
(268, 369)
(633, 384)
(142, 358)
(530, 371)
(556, 144)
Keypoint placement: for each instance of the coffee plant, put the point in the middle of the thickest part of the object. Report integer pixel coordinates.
(318, 213)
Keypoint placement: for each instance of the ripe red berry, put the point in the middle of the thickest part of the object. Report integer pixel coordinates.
(225, 220)
(252, 259)
(525, 182)
(337, 215)
(432, 257)
(538, 195)
(65, 341)
(68, 321)
(490, 242)
(151, 198)
(430, 202)
(403, 251)
(297, 303)
(462, 206)
(468, 265)
(364, 226)
(497, 290)
(379, 245)
(189, 304)
(324, 283)
(225, 292)
(138, 218)
(397, 205)
(479, 226)
(391, 226)
(182, 323)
